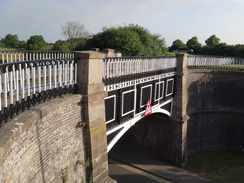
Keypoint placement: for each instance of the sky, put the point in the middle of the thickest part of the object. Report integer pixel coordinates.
(172, 19)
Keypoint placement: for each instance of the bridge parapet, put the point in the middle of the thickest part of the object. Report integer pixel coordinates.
(122, 67)
(26, 83)
(132, 83)
(7, 56)
(215, 62)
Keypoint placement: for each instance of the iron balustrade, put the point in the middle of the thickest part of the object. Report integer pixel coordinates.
(116, 67)
(131, 81)
(24, 55)
(26, 83)
(215, 62)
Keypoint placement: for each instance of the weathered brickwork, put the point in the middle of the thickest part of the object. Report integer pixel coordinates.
(44, 144)
(215, 109)
(207, 115)
(89, 63)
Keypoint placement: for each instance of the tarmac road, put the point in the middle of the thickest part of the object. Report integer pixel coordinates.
(125, 173)
(146, 169)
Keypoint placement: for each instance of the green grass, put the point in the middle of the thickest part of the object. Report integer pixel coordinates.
(7, 49)
(223, 166)
(170, 54)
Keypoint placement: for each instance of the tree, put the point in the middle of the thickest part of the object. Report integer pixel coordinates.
(194, 44)
(12, 41)
(131, 40)
(36, 42)
(212, 41)
(223, 49)
(124, 40)
(158, 45)
(178, 45)
(61, 46)
(74, 29)
(239, 50)
(71, 44)
(22, 44)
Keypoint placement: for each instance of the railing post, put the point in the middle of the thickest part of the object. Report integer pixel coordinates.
(90, 85)
(180, 105)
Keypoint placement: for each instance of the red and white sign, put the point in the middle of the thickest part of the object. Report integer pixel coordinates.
(148, 108)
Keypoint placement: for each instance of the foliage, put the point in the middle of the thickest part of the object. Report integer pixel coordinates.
(71, 44)
(225, 166)
(238, 50)
(61, 46)
(65, 174)
(74, 29)
(170, 54)
(194, 44)
(212, 41)
(131, 40)
(177, 45)
(12, 41)
(91, 179)
(213, 47)
(36, 42)
(220, 49)
(85, 164)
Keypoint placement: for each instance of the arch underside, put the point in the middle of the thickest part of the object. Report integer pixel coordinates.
(117, 132)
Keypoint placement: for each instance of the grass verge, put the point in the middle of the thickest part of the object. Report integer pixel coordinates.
(219, 165)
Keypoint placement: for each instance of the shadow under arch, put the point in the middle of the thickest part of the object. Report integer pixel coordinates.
(156, 135)
(115, 134)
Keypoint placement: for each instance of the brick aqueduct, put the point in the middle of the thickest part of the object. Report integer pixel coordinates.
(56, 140)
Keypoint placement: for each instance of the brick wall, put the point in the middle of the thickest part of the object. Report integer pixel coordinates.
(214, 104)
(215, 109)
(44, 144)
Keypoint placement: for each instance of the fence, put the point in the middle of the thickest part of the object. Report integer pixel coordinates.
(25, 83)
(27, 78)
(214, 62)
(24, 55)
(124, 66)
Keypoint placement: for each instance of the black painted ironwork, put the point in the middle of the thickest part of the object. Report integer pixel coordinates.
(20, 106)
(33, 99)
(128, 96)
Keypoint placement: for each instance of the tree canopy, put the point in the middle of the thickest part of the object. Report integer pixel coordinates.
(212, 41)
(36, 42)
(70, 44)
(178, 45)
(194, 44)
(213, 47)
(12, 41)
(131, 40)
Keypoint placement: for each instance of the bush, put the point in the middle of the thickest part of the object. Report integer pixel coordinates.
(132, 40)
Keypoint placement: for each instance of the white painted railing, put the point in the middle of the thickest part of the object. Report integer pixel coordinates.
(214, 62)
(24, 83)
(24, 55)
(124, 66)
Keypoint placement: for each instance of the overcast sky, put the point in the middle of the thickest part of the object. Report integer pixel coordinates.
(173, 19)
